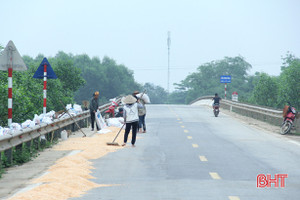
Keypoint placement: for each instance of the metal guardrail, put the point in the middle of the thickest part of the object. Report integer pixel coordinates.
(270, 115)
(27, 135)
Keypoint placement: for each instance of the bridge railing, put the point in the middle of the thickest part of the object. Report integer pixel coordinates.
(31, 137)
(270, 115)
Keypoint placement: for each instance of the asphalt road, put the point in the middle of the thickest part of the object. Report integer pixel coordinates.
(189, 154)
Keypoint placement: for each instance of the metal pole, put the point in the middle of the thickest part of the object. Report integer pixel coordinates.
(10, 71)
(169, 44)
(45, 89)
(225, 89)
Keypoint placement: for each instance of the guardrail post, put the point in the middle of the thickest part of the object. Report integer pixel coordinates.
(36, 143)
(57, 134)
(73, 127)
(43, 142)
(0, 160)
(8, 155)
(28, 144)
(19, 149)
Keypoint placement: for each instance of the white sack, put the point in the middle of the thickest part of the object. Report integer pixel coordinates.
(99, 120)
(1, 131)
(104, 131)
(50, 114)
(28, 124)
(69, 106)
(77, 108)
(145, 97)
(15, 127)
(47, 120)
(36, 119)
(115, 122)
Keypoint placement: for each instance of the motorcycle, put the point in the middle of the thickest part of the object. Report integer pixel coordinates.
(216, 109)
(111, 110)
(289, 114)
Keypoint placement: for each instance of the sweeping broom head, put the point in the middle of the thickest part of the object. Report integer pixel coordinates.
(112, 143)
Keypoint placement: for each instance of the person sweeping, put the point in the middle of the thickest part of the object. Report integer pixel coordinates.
(131, 118)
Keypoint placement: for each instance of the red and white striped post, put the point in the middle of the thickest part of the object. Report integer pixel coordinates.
(10, 70)
(225, 89)
(10, 59)
(45, 72)
(45, 89)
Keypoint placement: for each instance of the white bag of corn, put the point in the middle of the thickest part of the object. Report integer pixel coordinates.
(99, 120)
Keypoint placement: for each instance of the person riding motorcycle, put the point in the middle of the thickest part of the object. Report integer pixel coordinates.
(217, 100)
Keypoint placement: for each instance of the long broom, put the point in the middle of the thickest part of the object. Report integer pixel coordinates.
(72, 119)
(113, 143)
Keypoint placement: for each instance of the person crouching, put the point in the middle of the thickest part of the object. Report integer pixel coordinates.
(131, 118)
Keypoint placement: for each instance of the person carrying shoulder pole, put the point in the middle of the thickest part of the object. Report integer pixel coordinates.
(94, 104)
(142, 115)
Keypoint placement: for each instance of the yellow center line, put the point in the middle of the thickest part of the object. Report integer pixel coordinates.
(233, 198)
(203, 158)
(189, 137)
(178, 119)
(186, 131)
(214, 175)
(180, 122)
(195, 145)
(182, 126)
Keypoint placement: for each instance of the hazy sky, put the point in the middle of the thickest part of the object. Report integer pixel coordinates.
(134, 32)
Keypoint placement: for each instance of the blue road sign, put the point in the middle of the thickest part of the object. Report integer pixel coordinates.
(40, 71)
(225, 79)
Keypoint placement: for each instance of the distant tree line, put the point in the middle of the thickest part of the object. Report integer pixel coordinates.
(259, 89)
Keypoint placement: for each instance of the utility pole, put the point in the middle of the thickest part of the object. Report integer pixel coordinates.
(169, 44)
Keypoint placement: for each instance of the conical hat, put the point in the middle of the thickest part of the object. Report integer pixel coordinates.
(129, 99)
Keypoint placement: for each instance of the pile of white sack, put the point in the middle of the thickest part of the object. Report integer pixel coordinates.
(115, 122)
(73, 111)
(47, 118)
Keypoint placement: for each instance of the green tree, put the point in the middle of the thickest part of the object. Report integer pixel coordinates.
(206, 81)
(107, 77)
(266, 90)
(157, 94)
(289, 82)
(177, 97)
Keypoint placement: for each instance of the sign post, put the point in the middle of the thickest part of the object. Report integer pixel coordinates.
(235, 96)
(225, 79)
(45, 71)
(11, 60)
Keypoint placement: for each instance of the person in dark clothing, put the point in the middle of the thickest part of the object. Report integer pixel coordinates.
(216, 99)
(93, 109)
